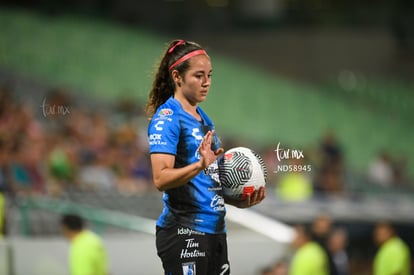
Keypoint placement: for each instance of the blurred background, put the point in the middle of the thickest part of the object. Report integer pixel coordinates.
(331, 79)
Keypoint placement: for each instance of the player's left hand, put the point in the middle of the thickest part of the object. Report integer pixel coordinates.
(251, 199)
(256, 197)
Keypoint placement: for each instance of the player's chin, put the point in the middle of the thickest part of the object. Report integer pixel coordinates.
(202, 97)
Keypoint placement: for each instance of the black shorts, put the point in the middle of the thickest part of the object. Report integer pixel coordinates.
(187, 252)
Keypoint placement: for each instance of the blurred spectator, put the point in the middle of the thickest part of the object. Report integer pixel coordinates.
(98, 134)
(97, 174)
(294, 185)
(135, 176)
(337, 242)
(321, 229)
(87, 252)
(329, 177)
(2, 215)
(331, 151)
(55, 109)
(393, 256)
(309, 258)
(401, 175)
(21, 147)
(5, 177)
(280, 267)
(27, 170)
(267, 271)
(77, 146)
(61, 164)
(329, 181)
(381, 170)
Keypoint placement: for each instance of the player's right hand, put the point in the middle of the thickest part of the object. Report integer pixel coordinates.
(208, 156)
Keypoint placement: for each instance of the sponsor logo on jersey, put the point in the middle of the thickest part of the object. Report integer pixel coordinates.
(155, 139)
(188, 231)
(158, 125)
(165, 112)
(192, 249)
(189, 268)
(197, 135)
(217, 203)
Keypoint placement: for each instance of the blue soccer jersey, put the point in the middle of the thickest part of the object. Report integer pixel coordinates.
(199, 204)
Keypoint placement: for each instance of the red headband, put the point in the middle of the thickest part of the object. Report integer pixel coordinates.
(180, 42)
(187, 56)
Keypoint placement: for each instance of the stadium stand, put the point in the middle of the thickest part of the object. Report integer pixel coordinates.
(117, 63)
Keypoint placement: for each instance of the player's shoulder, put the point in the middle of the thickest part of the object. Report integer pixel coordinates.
(169, 109)
(167, 116)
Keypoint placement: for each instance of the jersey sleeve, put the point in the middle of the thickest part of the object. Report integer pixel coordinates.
(164, 134)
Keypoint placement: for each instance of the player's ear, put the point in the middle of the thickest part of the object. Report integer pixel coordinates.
(176, 77)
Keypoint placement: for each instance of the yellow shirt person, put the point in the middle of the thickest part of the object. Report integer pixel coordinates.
(393, 256)
(309, 258)
(87, 254)
(294, 186)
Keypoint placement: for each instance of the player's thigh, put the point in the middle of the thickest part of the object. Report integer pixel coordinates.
(183, 251)
(221, 264)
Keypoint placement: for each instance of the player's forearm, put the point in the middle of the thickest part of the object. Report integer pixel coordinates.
(169, 178)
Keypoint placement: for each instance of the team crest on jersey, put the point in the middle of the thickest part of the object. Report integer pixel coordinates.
(165, 112)
(189, 268)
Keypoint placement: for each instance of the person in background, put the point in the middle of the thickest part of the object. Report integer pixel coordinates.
(321, 229)
(393, 255)
(381, 171)
(337, 242)
(294, 186)
(2, 215)
(87, 252)
(309, 258)
(280, 267)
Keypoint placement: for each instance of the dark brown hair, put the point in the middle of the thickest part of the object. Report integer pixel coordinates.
(72, 222)
(163, 86)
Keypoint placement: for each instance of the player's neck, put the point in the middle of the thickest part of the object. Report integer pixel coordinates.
(187, 106)
(73, 234)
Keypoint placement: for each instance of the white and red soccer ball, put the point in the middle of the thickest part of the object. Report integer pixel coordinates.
(241, 172)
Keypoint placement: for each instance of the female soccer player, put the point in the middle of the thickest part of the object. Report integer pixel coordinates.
(191, 232)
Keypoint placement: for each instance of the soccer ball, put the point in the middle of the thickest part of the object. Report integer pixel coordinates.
(241, 172)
